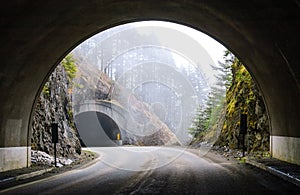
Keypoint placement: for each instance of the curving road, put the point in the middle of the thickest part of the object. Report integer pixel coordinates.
(158, 170)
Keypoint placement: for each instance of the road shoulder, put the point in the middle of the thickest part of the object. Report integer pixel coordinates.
(35, 172)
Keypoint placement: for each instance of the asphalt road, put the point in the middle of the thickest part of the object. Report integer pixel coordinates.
(158, 170)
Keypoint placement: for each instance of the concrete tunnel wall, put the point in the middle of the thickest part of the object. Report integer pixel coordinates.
(36, 35)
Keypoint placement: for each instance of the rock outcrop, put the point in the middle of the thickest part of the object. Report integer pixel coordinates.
(42, 158)
(57, 103)
(243, 97)
(54, 105)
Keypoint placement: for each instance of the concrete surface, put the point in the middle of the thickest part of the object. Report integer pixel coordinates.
(281, 145)
(36, 35)
(14, 157)
(282, 169)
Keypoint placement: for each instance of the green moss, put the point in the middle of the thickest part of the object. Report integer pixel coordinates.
(46, 90)
(242, 159)
(69, 65)
(78, 85)
(241, 97)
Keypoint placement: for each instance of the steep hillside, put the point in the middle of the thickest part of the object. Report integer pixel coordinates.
(243, 97)
(145, 128)
(54, 105)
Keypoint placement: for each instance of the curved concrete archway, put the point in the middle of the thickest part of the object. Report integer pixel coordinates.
(96, 129)
(36, 35)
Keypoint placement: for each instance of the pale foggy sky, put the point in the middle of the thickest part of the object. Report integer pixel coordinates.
(196, 47)
(213, 47)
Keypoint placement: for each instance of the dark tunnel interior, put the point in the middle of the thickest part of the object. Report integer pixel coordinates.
(96, 129)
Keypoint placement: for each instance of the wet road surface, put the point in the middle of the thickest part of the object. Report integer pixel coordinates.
(158, 170)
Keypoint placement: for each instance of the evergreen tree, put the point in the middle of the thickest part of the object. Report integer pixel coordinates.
(198, 123)
(207, 116)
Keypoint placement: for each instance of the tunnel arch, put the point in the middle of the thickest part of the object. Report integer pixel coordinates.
(97, 129)
(36, 36)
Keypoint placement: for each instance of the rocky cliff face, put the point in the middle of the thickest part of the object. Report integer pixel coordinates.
(243, 97)
(54, 105)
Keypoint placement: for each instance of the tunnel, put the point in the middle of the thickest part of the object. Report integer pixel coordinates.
(35, 36)
(96, 129)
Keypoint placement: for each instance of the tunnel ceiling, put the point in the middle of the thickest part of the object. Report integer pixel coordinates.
(36, 35)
